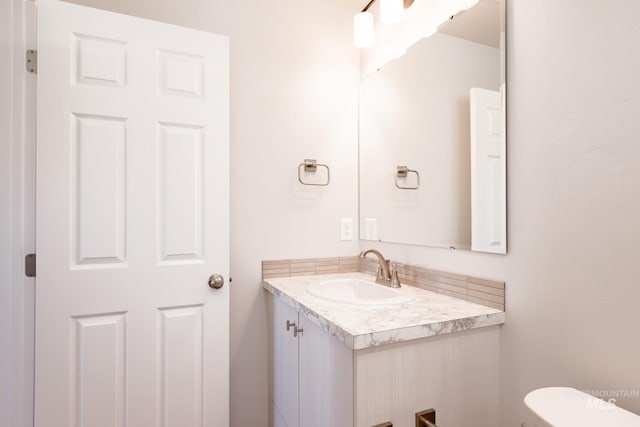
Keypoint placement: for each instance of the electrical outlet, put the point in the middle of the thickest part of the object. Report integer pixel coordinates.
(346, 229)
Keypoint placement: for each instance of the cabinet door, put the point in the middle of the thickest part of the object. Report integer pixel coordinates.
(326, 378)
(457, 374)
(284, 363)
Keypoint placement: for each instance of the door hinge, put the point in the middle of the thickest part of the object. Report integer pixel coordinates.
(30, 265)
(32, 61)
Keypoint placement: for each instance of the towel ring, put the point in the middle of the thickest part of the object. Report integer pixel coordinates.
(311, 165)
(403, 172)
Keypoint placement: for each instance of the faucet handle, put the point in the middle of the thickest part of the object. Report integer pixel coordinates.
(380, 274)
(395, 280)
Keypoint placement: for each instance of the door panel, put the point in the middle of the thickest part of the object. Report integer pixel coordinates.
(98, 202)
(180, 179)
(98, 378)
(130, 223)
(180, 349)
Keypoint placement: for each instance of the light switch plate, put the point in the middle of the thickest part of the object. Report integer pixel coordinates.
(370, 229)
(346, 229)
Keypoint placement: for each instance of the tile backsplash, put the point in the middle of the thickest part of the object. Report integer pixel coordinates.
(309, 267)
(489, 293)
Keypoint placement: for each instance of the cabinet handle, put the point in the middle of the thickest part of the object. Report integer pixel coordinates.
(296, 330)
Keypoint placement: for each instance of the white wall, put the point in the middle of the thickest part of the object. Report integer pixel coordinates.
(294, 95)
(572, 270)
(415, 112)
(294, 82)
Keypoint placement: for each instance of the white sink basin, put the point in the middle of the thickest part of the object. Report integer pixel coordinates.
(360, 292)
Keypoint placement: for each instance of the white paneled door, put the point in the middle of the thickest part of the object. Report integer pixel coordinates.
(488, 172)
(132, 220)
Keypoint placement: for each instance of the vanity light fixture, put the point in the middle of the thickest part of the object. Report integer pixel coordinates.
(363, 32)
(391, 12)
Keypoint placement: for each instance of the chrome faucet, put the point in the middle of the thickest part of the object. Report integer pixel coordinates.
(386, 275)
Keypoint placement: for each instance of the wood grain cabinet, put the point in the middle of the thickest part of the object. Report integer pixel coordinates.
(317, 381)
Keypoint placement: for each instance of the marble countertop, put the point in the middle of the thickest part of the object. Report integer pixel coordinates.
(361, 327)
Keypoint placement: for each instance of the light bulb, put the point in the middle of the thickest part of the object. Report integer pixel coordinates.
(363, 35)
(391, 11)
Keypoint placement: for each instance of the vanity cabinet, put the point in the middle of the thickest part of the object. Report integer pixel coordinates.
(311, 374)
(329, 376)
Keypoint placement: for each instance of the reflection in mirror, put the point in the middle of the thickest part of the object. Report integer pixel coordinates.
(432, 139)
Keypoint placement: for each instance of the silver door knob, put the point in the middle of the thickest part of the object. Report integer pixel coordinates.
(216, 281)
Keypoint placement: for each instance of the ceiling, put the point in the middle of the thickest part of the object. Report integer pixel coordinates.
(480, 24)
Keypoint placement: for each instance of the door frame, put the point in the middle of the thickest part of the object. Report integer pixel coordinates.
(17, 220)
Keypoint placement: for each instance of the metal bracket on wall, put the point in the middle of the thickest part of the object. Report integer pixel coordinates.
(31, 61)
(426, 418)
(30, 265)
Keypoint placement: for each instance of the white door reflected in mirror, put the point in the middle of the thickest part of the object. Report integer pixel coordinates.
(488, 173)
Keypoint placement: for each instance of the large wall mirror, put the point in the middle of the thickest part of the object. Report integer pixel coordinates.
(433, 139)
